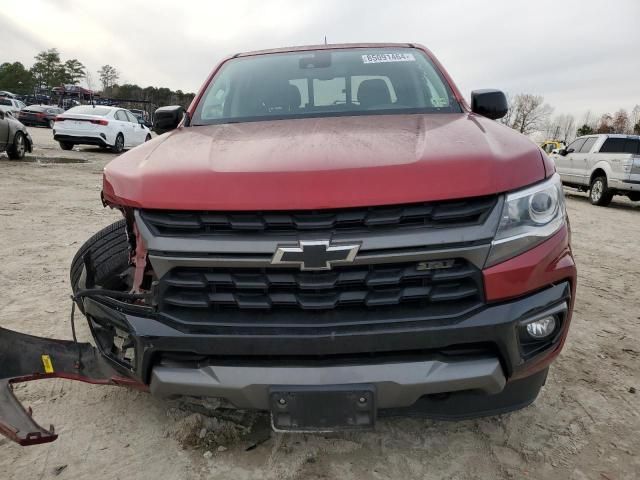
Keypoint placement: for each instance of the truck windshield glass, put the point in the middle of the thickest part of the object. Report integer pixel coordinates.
(325, 83)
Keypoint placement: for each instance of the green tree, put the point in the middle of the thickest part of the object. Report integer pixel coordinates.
(584, 130)
(48, 70)
(74, 71)
(15, 78)
(108, 76)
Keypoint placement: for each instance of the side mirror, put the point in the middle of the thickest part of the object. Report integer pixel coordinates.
(564, 151)
(489, 103)
(167, 118)
(141, 121)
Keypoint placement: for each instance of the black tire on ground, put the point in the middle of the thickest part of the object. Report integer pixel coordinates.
(109, 253)
(118, 145)
(148, 137)
(18, 148)
(634, 196)
(66, 145)
(51, 123)
(599, 194)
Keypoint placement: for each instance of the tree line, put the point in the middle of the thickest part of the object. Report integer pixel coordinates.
(529, 114)
(49, 71)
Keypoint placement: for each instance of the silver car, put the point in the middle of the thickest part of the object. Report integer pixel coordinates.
(604, 165)
(14, 137)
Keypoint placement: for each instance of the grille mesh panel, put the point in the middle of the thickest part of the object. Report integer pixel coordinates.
(367, 288)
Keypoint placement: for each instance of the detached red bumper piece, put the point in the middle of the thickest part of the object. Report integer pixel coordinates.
(25, 357)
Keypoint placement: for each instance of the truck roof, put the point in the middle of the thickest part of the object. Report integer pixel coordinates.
(610, 135)
(330, 46)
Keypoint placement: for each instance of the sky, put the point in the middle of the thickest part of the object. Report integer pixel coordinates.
(580, 55)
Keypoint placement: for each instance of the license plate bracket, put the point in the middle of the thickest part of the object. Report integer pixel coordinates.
(323, 408)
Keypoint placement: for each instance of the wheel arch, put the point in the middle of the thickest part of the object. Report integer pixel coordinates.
(600, 169)
(27, 139)
(124, 139)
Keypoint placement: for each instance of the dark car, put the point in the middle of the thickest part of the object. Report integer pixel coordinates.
(39, 115)
(142, 116)
(14, 137)
(37, 99)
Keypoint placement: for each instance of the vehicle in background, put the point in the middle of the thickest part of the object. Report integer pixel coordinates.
(39, 115)
(4, 93)
(68, 103)
(142, 116)
(550, 145)
(69, 95)
(14, 138)
(39, 99)
(604, 165)
(11, 105)
(106, 127)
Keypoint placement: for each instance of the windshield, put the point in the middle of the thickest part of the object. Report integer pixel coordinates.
(89, 110)
(362, 81)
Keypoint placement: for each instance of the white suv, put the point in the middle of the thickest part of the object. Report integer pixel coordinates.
(606, 165)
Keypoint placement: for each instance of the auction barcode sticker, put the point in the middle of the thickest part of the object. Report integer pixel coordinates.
(388, 57)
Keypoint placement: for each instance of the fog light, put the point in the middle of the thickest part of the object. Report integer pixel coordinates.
(542, 328)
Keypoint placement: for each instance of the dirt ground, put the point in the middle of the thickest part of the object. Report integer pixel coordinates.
(584, 425)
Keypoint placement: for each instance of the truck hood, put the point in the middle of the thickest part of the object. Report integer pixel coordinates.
(315, 163)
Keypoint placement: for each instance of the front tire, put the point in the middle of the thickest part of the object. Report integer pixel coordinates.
(118, 146)
(66, 145)
(109, 258)
(19, 147)
(600, 194)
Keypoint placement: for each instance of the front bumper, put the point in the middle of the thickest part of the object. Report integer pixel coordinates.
(492, 331)
(25, 357)
(396, 384)
(412, 383)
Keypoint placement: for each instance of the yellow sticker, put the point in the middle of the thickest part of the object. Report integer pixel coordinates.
(48, 366)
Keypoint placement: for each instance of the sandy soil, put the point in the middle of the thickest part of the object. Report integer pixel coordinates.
(584, 425)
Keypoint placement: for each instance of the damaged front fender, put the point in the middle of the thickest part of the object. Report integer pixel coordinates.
(25, 357)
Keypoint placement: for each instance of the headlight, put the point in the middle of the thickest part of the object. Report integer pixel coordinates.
(529, 217)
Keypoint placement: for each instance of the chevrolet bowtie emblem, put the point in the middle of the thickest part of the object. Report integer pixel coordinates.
(315, 255)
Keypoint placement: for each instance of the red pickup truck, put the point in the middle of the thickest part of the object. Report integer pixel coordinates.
(329, 234)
